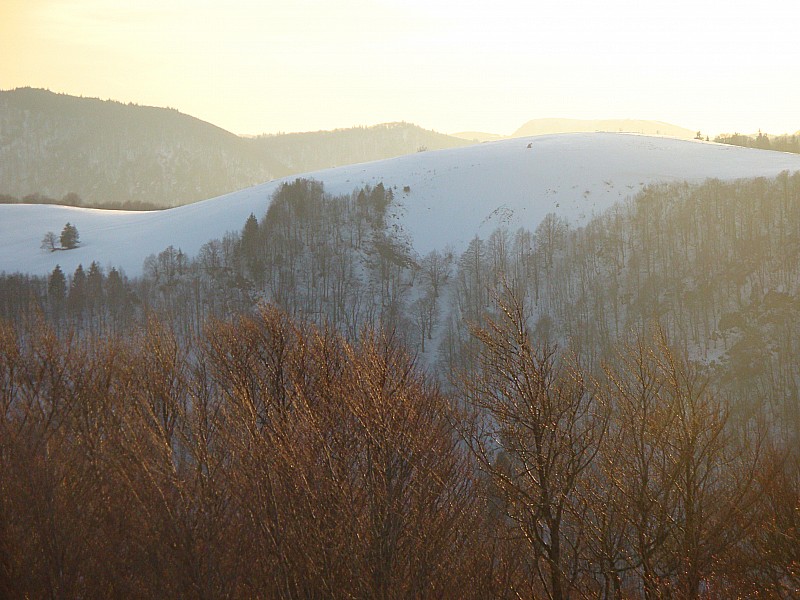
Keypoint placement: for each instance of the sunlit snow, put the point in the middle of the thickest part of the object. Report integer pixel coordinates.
(452, 196)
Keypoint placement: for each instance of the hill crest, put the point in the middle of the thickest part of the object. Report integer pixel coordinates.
(111, 153)
(442, 198)
(645, 127)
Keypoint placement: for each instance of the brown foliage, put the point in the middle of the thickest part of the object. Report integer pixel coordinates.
(268, 460)
(536, 434)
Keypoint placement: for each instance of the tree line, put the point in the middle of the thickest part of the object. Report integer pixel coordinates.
(781, 143)
(328, 259)
(74, 199)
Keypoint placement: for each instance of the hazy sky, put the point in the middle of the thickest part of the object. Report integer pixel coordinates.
(254, 66)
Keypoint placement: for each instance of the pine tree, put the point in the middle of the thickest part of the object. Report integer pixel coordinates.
(117, 295)
(249, 239)
(94, 284)
(76, 301)
(250, 249)
(69, 237)
(57, 291)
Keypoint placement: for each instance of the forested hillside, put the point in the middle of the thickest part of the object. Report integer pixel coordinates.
(605, 411)
(716, 265)
(781, 143)
(312, 151)
(108, 153)
(328, 259)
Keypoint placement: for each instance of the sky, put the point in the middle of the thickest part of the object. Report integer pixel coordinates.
(264, 66)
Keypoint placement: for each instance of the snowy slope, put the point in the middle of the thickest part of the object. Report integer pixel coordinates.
(453, 195)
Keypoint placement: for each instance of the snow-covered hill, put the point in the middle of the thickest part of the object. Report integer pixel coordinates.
(442, 198)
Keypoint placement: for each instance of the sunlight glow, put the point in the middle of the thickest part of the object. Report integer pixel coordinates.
(255, 67)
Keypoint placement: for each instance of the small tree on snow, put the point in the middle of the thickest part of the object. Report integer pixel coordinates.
(50, 241)
(69, 237)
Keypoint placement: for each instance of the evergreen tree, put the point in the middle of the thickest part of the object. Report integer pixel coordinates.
(250, 235)
(69, 237)
(118, 297)
(77, 292)
(250, 249)
(57, 290)
(249, 240)
(94, 284)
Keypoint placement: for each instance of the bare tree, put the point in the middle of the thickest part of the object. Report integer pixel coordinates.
(538, 432)
(50, 242)
(687, 479)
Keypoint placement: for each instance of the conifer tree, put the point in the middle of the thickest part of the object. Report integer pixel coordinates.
(94, 284)
(77, 292)
(57, 291)
(69, 237)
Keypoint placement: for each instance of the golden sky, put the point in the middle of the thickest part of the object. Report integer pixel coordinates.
(254, 66)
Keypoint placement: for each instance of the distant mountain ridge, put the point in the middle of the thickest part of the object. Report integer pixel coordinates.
(110, 153)
(479, 136)
(312, 151)
(554, 126)
(549, 126)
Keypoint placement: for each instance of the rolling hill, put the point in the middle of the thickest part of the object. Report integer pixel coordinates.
(442, 198)
(550, 126)
(554, 126)
(110, 153)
